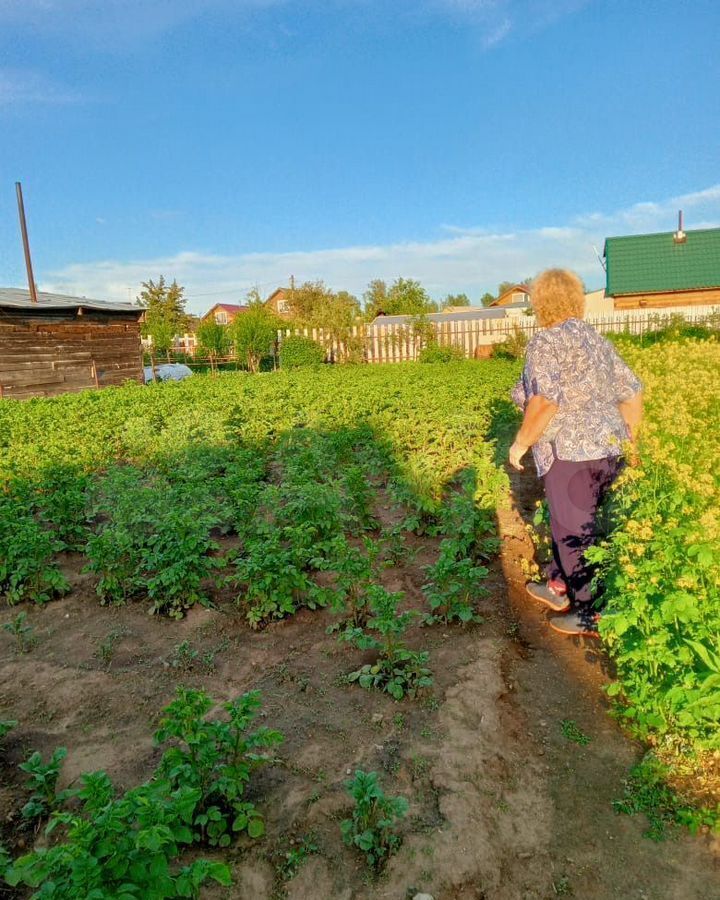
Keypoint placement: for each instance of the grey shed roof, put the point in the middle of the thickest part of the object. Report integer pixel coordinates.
(479, 313)
(19, 298)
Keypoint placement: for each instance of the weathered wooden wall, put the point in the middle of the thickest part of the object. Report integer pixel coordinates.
(705, 297)
(43, 358)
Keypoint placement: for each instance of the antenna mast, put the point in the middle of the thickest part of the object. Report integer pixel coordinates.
(26, 243)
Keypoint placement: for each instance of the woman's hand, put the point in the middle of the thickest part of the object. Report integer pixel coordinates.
(517, 451)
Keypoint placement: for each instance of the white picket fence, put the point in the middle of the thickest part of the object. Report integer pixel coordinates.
(382, 343)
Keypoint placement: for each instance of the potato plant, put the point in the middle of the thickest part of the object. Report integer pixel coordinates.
(397, 670)
(215, 759)
(128, 846)
(374, 819)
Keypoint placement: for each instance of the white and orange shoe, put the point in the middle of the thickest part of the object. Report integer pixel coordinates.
(552, 594)
(581, 622)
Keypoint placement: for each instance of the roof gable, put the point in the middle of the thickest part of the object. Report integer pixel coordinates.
(228, 307)
(654, 263)
(506, 297)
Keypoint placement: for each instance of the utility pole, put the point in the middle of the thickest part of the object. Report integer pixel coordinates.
(26, 243)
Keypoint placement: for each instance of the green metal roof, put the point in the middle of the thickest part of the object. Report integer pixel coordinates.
(652, 263)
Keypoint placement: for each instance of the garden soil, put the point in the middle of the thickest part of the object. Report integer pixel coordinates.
(502, 805)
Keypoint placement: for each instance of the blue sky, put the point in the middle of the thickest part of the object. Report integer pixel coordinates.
(234, 142)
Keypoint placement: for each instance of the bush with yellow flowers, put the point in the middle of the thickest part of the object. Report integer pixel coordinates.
(661, 564)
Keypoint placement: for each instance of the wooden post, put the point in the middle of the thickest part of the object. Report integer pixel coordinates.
(95, 374)
(26, 243)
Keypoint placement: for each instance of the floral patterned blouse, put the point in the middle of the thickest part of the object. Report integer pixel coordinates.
(579, 370)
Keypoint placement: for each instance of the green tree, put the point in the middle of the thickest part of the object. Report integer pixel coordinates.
(404, 297)
(253, 297)
(456, 300)
(488, 299)
(254, 333)
(165, 314)
(408, 297)
(214, 340)
(375, 298)
(314, 305)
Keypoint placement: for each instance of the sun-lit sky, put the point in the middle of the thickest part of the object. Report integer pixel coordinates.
(229, 143)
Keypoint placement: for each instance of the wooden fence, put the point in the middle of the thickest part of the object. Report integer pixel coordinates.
(380, 343)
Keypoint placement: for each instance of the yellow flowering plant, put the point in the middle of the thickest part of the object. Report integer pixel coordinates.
(661, 564)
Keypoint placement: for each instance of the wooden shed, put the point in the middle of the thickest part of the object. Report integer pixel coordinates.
(62, 344)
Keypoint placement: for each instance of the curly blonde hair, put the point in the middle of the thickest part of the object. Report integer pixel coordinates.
(557, 295)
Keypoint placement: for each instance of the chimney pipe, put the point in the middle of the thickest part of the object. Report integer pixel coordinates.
(680, 237)
(26, 243)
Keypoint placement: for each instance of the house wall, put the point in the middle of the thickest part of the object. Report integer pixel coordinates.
(597, 303)
(706, 297)
(278, 303)
(41, 356)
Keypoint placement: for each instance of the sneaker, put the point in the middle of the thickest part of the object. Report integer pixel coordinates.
(551, 594)
(580, 623)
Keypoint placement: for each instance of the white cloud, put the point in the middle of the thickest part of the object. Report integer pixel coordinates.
(470, 260)
(22, 87)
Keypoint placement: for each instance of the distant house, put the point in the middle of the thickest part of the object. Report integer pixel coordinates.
(663, 270)
(279, 303)
(224, 313)
(515, 295)
(63, 344)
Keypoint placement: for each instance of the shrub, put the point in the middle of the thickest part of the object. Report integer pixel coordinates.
(514, 345)
(254, 334)
(297, 351)
(434, 353)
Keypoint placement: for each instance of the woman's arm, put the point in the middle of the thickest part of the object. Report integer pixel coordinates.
(518, 395)
(539, 412)
(632, 412)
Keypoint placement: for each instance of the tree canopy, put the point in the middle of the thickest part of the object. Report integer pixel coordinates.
(404, 297)
(254, 333)
(213, 340)
(315, 305)
(165, 314)
(456, 300)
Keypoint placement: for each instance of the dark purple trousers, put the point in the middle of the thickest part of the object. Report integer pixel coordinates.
(574, 491)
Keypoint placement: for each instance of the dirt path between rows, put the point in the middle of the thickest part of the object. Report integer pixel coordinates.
(503, 806)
